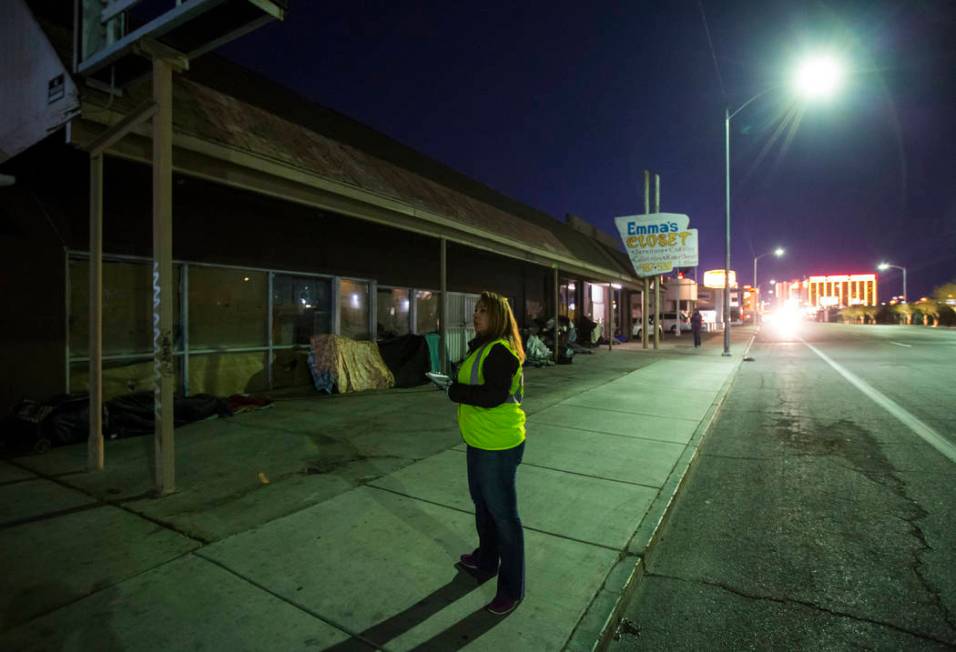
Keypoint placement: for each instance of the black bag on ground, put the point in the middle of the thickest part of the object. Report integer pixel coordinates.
(33, 427)
(407, 358)
(134, 414)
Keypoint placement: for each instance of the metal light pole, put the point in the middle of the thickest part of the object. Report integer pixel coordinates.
(817, 78)
(776, 252)
(727, 116)
(884, 266)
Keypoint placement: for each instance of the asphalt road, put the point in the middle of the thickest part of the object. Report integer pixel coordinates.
(821, 513)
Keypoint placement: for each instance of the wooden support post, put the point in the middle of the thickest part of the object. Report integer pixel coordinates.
(163, 370)
(94, 458)
(557, 311)
(443, 309)
(610, 315)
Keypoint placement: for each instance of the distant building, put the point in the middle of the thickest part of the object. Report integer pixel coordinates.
(792, 292)
(841, 290)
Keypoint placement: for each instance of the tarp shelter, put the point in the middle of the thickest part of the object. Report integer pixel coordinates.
(407, 358)
(347, 365)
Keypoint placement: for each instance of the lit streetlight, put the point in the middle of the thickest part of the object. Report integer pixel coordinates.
(885, 266)
(778, 252)
(817, 78)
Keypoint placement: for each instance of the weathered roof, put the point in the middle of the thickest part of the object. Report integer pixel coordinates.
(255, 90)
(222, 103)
(211, 115)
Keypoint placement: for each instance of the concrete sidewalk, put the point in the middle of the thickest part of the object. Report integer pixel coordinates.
(351, 543)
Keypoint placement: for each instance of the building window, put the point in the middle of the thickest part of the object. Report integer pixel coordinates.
(427, 310)
(598, 304)
(301, 308)
(127, 308)
(393, 310)
(228, 308)
(353, 308)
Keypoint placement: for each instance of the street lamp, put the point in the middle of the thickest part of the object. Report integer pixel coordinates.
(778, 252)
(817, 78)
(885, 266)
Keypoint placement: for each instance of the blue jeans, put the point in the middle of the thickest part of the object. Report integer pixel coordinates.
(491, 481)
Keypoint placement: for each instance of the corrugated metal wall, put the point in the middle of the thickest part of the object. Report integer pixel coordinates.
(460, 331)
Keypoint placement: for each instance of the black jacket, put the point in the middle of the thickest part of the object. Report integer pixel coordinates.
(499, 368)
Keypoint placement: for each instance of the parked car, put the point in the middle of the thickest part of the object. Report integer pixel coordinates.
(669, 320)
(668, 323)
(638, 329)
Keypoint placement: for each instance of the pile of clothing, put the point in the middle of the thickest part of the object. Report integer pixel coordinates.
(538, 354)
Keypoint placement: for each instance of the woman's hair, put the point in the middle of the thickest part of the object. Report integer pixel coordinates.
(501, 321)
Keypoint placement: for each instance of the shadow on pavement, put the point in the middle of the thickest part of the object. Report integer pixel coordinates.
(463, 632)
(456, 636)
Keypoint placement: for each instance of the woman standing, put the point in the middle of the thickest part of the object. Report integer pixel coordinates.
(489, 391)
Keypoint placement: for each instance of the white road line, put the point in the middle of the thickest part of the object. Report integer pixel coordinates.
(930, 436)
(909, 346)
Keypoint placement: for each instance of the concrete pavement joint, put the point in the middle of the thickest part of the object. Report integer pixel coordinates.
(615, 434)
(99, 588)
(655, 518)
(17, 481)
(593, 477)
(579, 474)
(50, 515)
(471, 513)
(288, 601)
(639, 414)
(120, 504)
(803, 603)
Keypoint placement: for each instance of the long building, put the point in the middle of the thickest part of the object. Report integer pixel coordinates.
(288, 220)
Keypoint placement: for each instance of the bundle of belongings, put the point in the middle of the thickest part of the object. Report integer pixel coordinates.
(567, 335)
(347, 365)
(408, 358)
(34, 427)
(538, 354)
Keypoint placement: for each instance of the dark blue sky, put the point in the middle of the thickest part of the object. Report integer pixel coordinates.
(563, 104)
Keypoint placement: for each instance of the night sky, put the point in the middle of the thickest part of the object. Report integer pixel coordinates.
(562, 105)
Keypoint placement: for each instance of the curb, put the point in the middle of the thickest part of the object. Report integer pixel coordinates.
(597, 626)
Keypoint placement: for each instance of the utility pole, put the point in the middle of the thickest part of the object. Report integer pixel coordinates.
(657, 278)
(647, 281)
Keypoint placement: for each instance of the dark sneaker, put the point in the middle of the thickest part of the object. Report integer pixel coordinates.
(501, 605)
(469, 561)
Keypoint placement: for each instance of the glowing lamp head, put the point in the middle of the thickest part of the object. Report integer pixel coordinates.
(883, 267)
(818, 77)
(778, 252)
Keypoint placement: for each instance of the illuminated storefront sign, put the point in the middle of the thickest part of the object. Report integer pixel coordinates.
(658, 242)
(714, 278)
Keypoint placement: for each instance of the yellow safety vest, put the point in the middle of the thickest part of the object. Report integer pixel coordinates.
(496, 428)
